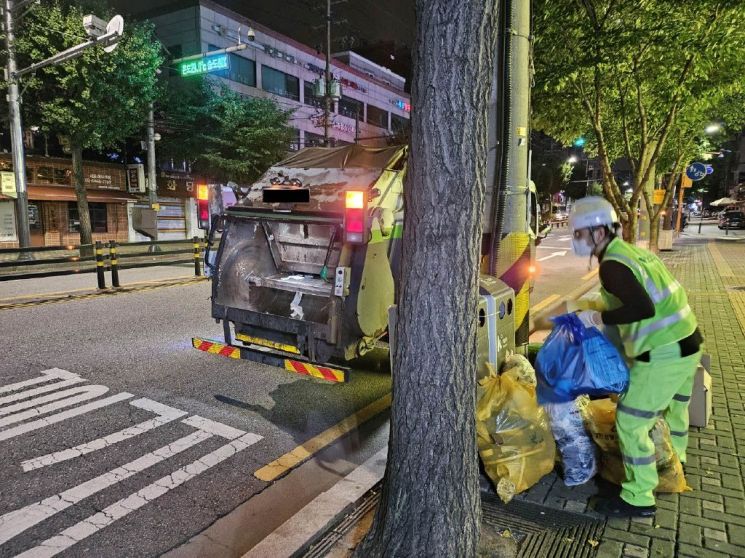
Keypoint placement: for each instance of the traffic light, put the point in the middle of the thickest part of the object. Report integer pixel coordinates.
(579, 142)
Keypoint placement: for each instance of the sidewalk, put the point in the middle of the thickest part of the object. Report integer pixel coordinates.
(64, 287)
(708, 522)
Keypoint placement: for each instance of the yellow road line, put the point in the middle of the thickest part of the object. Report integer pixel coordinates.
(545, 302)
(590, 275)
(293, 458)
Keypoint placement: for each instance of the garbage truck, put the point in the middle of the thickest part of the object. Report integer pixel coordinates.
(308, 265)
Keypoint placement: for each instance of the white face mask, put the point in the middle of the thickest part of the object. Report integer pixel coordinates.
(581, 247)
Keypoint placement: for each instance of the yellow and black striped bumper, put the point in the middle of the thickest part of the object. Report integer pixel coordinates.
(303, 367)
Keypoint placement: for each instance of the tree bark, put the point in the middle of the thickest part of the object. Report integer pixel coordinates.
(84, 216)
(430, 504)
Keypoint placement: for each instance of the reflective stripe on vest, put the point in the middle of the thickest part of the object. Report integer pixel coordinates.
(648, 460)
(682, 398)
(655, 294)
(637, 412)
(661, 324)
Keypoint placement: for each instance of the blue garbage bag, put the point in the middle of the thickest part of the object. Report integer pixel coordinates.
(576, 360)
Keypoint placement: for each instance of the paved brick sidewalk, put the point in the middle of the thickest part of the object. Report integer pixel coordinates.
(708, 522)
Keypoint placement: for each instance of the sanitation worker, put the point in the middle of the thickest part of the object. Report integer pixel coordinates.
(660, 338)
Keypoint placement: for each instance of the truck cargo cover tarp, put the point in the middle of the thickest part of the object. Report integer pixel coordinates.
(328, 172)
(345, 157)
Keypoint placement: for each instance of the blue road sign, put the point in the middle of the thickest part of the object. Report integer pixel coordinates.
(709, 169)
(696, 171)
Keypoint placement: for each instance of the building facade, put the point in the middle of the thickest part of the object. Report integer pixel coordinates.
(373, 105)
(53, 211)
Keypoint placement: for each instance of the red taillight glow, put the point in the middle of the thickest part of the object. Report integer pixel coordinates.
(355, 217)
(203, 192)
(355, 199)
(204, 210)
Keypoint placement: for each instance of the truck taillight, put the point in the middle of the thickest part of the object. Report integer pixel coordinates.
(203, 206)
(355, 217)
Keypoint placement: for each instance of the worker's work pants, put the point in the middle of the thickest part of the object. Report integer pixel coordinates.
(661, 386)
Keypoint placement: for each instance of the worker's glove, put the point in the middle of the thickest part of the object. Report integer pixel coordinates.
(591, 318)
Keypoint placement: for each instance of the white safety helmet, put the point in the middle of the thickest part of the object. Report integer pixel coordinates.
(592, 211)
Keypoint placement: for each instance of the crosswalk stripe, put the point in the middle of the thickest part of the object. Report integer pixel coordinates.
(86, 392)
(64, 415)
(54, 373)
(16, 522)
(165, 414)
(125, 506)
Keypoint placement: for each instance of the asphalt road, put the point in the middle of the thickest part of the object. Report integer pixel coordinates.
(558, 270)
(167, 438)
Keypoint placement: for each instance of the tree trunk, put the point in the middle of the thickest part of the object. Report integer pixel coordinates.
(84, 216)
(430, 504)
(629, 227)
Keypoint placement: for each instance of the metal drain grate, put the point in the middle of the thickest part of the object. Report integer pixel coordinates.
(540, 532)
(323, 546)
(543, 532)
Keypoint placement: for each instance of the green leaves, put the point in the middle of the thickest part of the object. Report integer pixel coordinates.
(98, 98)
(638, 74)
(223, 134)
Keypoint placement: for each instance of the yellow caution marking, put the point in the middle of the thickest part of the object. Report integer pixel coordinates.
(544, 303)
(216, 348)
(315, 371)
(295, 457)
(590, 275)
(267, 343)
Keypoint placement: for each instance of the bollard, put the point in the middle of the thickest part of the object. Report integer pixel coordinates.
(99, 265)
(197, 257)
(114, 265)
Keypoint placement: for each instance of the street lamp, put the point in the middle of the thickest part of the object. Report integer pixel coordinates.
(99, 33)
(713, 128)
(572, 160)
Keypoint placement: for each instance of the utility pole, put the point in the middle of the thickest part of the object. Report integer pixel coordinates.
(16, 130)
(327, 77)
(152, 192)
(512, 249)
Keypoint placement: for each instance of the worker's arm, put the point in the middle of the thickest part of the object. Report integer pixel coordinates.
(619, 281)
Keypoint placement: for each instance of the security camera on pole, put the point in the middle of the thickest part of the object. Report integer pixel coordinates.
(100, 32)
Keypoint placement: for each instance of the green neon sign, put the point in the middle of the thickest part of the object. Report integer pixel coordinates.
(204, 65)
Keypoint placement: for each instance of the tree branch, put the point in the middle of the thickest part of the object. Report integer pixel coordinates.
(625, 125)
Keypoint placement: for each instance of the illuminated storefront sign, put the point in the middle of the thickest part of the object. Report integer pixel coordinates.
(204, 65)
(403, 105)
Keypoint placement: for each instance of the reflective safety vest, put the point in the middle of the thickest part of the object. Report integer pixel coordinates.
(673, 319)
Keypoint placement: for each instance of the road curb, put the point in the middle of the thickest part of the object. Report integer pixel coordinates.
(25, 301)
(309, 524)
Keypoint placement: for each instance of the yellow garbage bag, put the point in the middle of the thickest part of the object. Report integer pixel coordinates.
(600, 420)
(513, 434)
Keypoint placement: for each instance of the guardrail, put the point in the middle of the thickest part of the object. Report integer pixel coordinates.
(24, 263)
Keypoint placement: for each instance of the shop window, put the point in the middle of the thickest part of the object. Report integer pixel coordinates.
(377, 117)
(295, 143)
(52, 175)
(350, 107)
(280, 83)
(241, 70)
(313, 140)
(398, 123)
(98, 217)
(309, 98)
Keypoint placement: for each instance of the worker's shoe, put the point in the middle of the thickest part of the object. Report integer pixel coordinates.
(618, 507)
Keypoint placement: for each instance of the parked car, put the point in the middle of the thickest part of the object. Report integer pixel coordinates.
(732, 220)
(559, 216)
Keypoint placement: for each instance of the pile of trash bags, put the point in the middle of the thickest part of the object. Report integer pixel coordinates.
(513, 433)
(523, 415)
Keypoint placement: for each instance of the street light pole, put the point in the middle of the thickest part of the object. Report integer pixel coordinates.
(16, 130)
(151, 179)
